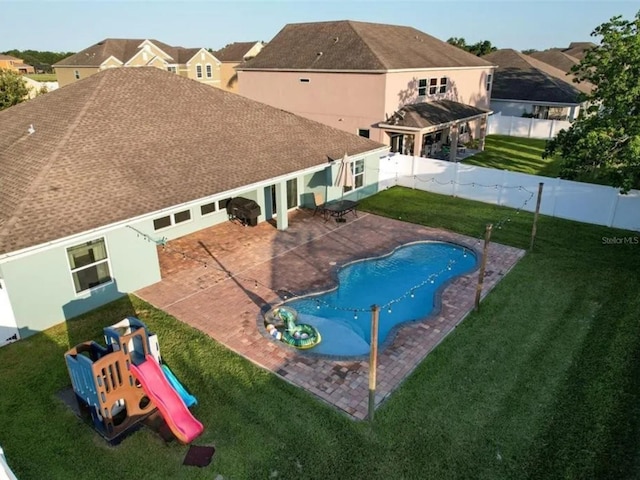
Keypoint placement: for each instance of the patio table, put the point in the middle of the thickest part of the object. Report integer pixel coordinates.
(339, 209)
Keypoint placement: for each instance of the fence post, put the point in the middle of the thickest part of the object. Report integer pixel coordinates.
(510, 125)
(483, 265)
(552, 129)
(614, 207)
(455, 179)
(413, 171)
(530, 127)
(373, 361)
(535, 215)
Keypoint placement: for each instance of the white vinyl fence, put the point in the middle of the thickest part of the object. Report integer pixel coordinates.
(525, 127)
(583, 202)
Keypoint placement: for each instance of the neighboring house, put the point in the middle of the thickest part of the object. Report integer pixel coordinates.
(556, 59)
(96, 174)
(525, 86)
(360, 76)
(578, 49)
(231, 56)
(36, 88)
(195, 63)
(16, 64)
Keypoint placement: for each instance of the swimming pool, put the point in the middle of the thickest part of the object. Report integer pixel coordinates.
(405, 282)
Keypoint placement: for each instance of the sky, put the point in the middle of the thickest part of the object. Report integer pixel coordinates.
(519, 24)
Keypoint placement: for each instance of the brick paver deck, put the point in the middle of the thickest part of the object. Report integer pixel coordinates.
(249, 269)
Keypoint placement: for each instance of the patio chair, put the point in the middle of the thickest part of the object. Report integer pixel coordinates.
(318, 199)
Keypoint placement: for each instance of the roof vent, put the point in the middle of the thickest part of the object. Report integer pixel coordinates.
(31, 130)
(335, 39)
(319, 54)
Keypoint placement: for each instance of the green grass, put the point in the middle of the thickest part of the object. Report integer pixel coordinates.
(542, 383)
(43, 77)
(516, 154)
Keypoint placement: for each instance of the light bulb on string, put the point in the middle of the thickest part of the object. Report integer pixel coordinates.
(412, 294)
(355, 314)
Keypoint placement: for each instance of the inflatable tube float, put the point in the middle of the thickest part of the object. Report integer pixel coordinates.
(302, 336)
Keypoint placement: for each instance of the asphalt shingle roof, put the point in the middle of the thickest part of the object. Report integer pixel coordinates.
(431, 114)
(349, 45)
(130, 141)
(521, 77)
(234, 52)
(556, 59)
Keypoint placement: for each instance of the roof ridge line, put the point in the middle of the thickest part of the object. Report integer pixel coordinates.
(54, 157)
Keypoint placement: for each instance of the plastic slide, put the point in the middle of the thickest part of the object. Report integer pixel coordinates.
(178, 417)
(188, 399)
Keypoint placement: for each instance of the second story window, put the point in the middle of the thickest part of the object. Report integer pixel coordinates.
(422, 87)
(489, 80)
(172, 69)
(444, 81)
(209, 71)
(199, 71)
(76, 74)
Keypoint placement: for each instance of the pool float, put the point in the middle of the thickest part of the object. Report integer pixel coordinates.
(302, 335)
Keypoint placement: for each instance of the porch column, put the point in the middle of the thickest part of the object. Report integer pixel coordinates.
(453, 131)
(417, 144)
(483, 132)
(281, 206)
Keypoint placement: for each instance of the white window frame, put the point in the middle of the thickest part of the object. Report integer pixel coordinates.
(198, 70)
(368, 130)
(76, 74)
(443, 84)
(209, 70)
(172, 69)
(433, 86)
(106, 260)
(356, 176)
(423, 89)
(489, 81)
(172, 219)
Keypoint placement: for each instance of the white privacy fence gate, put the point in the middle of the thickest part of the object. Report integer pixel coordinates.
(583, 202)
(525, 127)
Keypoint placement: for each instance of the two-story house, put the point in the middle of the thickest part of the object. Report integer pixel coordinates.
(393, 84)
(230, 57)
(10, 62)
(195, 63)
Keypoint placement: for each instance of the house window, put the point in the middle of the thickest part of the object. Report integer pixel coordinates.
(443, 85)
(363, 132)
(357, 169)
(76, 74)
(89, 265)
(433, 86)
(207, 208)
(489, 80)
(209, 71)
(173, 219)
(292, 193)
(422, 87)
(172, 69)
(222, 204)
(199, 71)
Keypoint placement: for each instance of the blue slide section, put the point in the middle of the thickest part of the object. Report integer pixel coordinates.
(188, 399)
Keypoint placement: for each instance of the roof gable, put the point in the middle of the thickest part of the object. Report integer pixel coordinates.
(121, 143)
(234, 52)
(351, 46)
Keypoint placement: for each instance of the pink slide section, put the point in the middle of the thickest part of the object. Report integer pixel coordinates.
(178, 417)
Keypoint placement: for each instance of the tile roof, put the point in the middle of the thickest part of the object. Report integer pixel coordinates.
(234, 52)
(129, 141)
(556, 59)
(349, 45)
(521, 77)
(123, 49)
(431, 114)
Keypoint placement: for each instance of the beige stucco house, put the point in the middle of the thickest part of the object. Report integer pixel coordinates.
(230, 57)
(195, 63)
(16, 64)
(393, 84)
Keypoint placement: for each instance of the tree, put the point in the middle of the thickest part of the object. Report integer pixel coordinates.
(480, 48)
(603, 144)
(12, 89)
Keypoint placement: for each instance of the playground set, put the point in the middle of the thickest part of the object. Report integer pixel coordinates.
(123, 384)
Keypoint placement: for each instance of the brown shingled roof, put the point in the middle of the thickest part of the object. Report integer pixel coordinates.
(431, 114)
(521, 77)
(556, 59)
(130, 141)
(234, 52)
(349, 45)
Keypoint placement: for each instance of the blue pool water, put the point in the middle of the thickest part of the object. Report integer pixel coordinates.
(388, 280)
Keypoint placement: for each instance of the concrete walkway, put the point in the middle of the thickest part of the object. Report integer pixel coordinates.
(220, 279)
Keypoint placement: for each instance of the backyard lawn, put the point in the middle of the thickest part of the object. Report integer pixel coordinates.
(542, 383)
(43, 77)
(516, 154)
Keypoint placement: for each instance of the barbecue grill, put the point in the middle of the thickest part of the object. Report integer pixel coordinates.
(244, 209)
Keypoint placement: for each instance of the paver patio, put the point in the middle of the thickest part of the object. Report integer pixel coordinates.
(221, 279)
